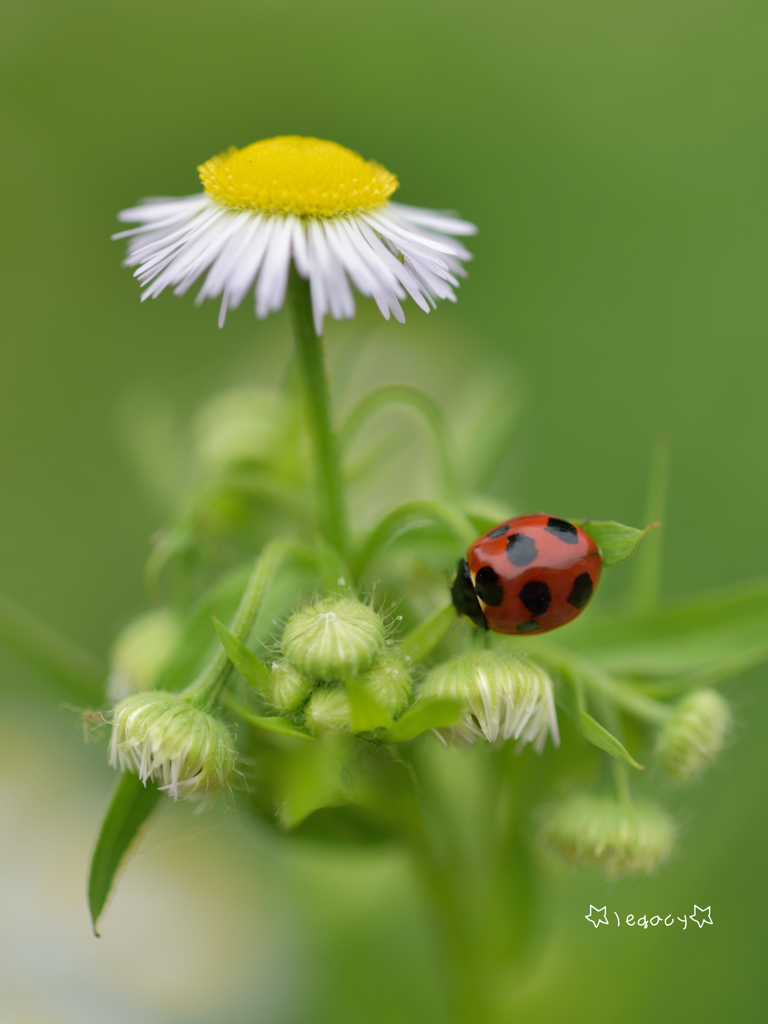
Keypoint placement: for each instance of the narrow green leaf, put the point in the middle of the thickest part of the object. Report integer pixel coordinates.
(422, 640)
(271, 723)
(646, 589)
(617, 543)
(245, 661)
(129, 808)
(433, 713)
(601, 738)
(367, 713)
(413, 514)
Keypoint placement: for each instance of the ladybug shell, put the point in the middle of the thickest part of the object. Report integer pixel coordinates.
(533, 573)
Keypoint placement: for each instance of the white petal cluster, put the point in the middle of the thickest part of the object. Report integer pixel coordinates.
(387, 253)
(163, 737)
(506, 698)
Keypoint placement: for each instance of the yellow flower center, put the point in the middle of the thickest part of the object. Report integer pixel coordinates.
(292, 174)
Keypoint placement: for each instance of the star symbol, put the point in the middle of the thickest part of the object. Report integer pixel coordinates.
(707, 919)
(599, 920)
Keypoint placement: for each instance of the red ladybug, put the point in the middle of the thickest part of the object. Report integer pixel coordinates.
(527, 575)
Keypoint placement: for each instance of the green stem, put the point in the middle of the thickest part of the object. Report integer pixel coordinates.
(205, 691)
(309, 350)
(422, 640)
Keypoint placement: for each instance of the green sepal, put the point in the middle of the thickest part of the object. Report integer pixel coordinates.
(598, 734)
(367, 713)
(130, 806)
(270, 723)
(433, 713)
(247, 664)
(617, 543)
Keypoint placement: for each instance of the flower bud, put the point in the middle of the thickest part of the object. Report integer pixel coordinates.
(238, 426)
(619, 837)
(387, 681)
(289, 688)
(334, 639)
(328, 708)
(693, 735)
(164, 737)
(506, 698)
(140, 652)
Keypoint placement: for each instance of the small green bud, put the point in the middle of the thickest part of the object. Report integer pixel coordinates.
(619, 837)
(328, 708)
(289, 688)
(693, 735)
(164, 737)
(388, 681)
(140, 652)
(506, 698)
(334, 639)
(238, 426)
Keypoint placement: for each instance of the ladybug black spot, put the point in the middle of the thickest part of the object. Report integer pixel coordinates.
(527, 627)
(463, 595)
(521, 549)
(498, 532)
(562, 530)
(581, 591)
(487, 586)
(536, 597)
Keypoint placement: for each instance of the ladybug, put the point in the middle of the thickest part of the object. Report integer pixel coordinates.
(527, 575)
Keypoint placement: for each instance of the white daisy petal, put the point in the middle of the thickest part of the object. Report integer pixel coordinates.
(246, 229)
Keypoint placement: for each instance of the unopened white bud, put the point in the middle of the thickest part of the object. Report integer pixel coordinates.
(617, 836)
(328, 708)
(506, 697)
(334, 639)
(141, 651)
(693, 735)
(289, 688)
(387, 681)
(239, 426)
(162, 736)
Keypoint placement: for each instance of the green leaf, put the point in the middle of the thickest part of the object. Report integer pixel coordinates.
(617, 543)
(413, 514)
(245, 661)
(699, 640)
(367, 713)
(422, 640)
(601, 738)
(272, 723)
(129, 808)
(313, 779)
(432, 713)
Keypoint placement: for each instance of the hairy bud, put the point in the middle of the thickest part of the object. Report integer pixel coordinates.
(162, 736)
(238, 426)
(140, 652)
(693, 735)
(619, 837)
(289, 688)
(506, 698)
(387, 681)
(334, 639)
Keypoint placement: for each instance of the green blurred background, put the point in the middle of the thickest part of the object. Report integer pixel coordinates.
(613, 155)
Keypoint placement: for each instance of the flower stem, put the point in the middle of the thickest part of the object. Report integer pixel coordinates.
(309, 349)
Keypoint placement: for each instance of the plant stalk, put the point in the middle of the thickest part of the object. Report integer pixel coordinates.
(311, 359)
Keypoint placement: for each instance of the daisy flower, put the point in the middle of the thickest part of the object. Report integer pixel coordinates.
(303, 200)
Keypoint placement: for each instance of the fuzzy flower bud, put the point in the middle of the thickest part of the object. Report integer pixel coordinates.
(334, 639)
(387, 681)
(140, 652)
(238, 426)
(506, 698)
(619, 837)
(289, 688)
(693, 735)
(164, 737)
